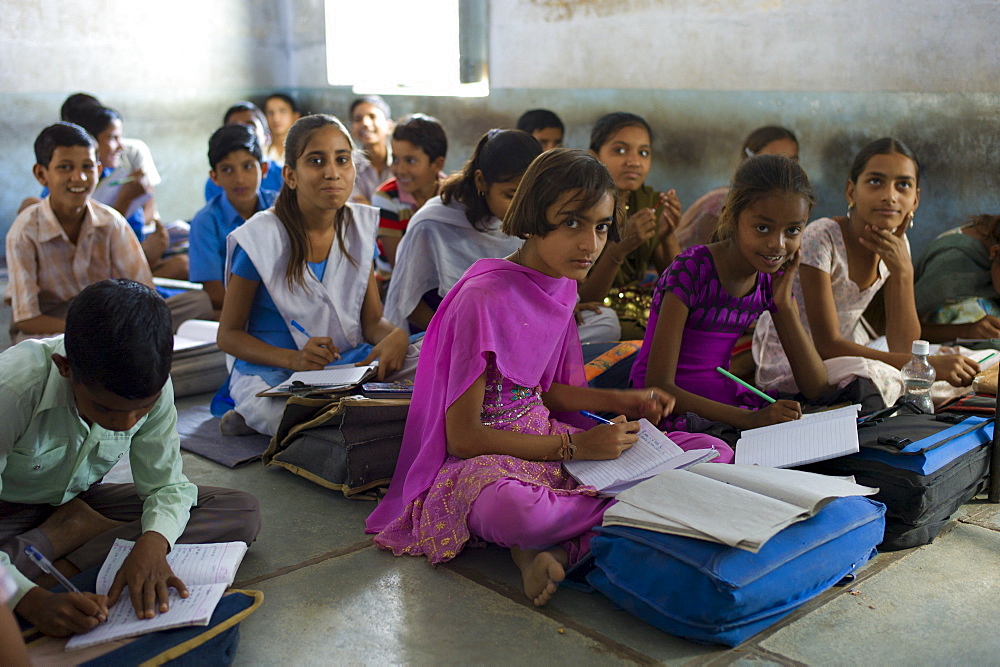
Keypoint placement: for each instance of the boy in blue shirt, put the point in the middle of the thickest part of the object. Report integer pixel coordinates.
(73, 406)
(238, 167)
(247, 113)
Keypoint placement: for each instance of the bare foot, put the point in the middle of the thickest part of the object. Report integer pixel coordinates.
(72, 525)
(541, 572)
(233, 423)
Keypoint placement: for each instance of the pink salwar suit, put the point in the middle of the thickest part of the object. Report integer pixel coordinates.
(516, 326)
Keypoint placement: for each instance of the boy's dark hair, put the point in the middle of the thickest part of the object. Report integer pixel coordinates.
(756, 178)
(284, 97)
(60, 134)
(119, 338)
(233, 137)
(502, 156)
(609, 124)
(92, 117)
(539, 119)
(245, 105)
(883, 146)
(762, 136)
(547, 178)
(74, 101)
(423, 131)
(374, 100)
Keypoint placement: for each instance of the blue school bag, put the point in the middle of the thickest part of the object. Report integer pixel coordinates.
(713, 593)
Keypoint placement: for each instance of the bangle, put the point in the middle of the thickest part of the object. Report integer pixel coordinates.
(567, 450)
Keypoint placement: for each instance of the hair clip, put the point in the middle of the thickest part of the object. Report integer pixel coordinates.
(749, 152)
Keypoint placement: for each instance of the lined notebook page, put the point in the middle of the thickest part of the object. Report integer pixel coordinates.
(193, 563)
(345, 375)
(815, 437)
(196, 609)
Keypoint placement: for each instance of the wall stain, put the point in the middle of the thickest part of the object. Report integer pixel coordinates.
(565, 10)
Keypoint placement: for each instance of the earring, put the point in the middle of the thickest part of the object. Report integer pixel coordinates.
(910, 226)
(850, 207)
(483, 195)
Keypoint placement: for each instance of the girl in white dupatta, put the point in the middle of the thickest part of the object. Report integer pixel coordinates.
(306, 262)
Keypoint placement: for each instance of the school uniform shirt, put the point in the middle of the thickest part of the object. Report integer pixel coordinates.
(49, 454)
(209, 228)
(395, 209)
(367, 179)
(272, 180)
(47, 270)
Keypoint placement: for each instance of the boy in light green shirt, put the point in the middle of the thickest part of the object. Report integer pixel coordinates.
(73, 406)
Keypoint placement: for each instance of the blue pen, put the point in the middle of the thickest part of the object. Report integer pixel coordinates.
(596, 418)
(306, 334)
(46, 566)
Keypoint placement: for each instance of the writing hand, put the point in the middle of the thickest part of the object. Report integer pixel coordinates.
(62, 614)
(954, 369)
(318, 353)
(606, 441)
(776, 413)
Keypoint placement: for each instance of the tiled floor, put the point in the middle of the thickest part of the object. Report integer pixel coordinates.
(331, 596)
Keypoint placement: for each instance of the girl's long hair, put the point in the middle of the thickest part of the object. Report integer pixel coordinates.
(286, 206)
(502, 156)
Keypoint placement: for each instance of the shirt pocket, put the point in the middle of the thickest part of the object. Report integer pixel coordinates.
(37, 464)
(109, 451)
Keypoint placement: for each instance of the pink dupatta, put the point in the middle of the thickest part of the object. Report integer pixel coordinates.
(525, 319)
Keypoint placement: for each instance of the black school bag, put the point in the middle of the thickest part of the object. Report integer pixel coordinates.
(926, 466)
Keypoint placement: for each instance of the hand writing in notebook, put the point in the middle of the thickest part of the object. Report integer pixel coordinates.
(148, 577)
(606, 441)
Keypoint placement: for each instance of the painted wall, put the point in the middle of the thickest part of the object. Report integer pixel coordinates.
(703, 73)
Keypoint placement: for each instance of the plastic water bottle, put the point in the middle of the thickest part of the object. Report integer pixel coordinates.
(918, 375)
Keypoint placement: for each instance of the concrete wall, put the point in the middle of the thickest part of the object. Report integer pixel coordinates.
(703, 73)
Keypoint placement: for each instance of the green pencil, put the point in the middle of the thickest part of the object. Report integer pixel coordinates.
(745, 384)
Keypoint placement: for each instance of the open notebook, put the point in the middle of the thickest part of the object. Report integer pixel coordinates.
(815, 437)
(651, 455)
(206, 569)
(329, 379)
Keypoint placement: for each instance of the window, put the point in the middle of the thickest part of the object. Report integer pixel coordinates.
(408, 47)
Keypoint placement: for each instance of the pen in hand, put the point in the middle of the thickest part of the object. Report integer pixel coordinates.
(596, 418)
(305, 333)
(46, 566)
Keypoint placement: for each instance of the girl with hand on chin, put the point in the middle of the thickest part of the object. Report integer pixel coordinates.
(712, 294)
(845, 261)
(498, 388)
(305, 262)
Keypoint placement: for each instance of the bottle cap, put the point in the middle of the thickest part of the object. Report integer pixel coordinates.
(921, 347)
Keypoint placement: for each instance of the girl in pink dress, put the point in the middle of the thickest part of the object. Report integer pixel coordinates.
(498, 387)
(711, 295)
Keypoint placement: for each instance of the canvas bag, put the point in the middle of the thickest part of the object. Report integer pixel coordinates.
(348, 443)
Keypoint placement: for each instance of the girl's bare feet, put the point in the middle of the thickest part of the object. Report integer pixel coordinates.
(541, 571)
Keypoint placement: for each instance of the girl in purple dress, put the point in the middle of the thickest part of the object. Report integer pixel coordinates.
(711, 295)
(498, 387)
